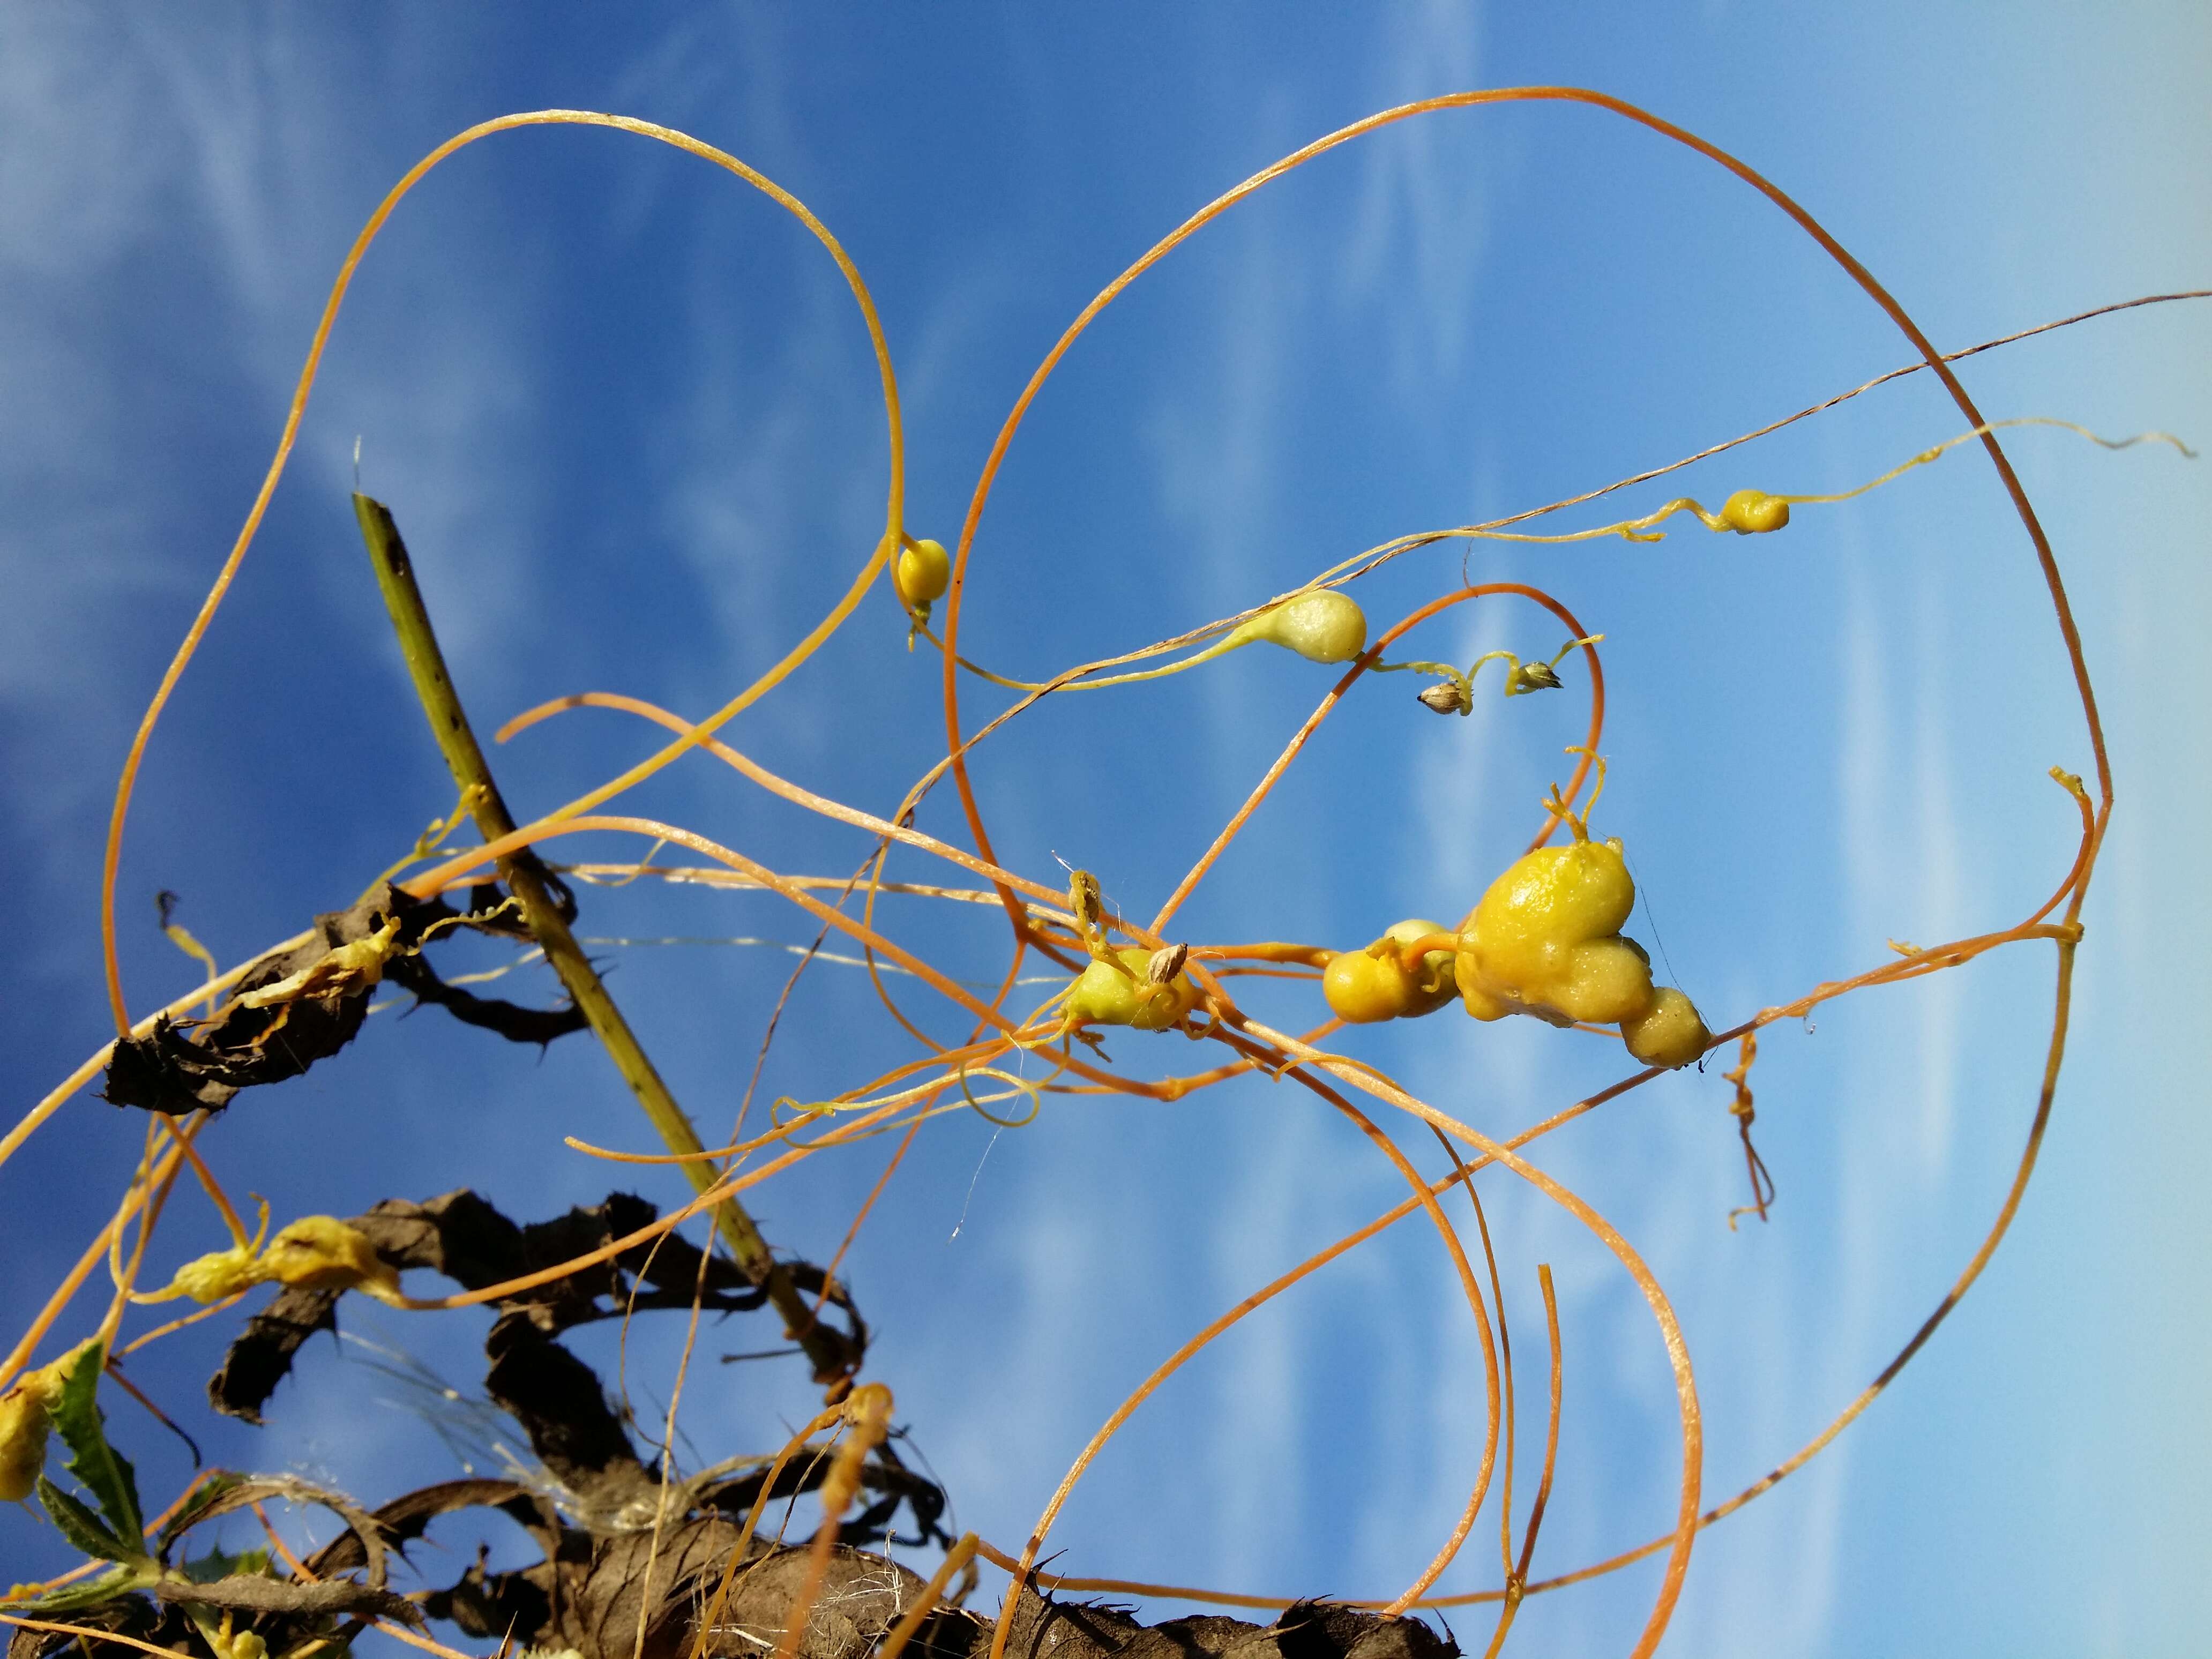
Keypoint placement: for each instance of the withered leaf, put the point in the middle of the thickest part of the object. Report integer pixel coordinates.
(312, 1001)
(467, 1240)
(404, 1519)
(513, 1605)
(1307, 1630)
(179, 1068)
(561, 1405)
(885, 1474)
(510, 1020)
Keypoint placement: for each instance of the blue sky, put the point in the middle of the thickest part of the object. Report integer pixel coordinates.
(625, 413)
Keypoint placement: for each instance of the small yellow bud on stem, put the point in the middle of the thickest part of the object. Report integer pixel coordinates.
(1321, 626)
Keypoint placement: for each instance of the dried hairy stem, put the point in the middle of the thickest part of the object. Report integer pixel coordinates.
(526, 877)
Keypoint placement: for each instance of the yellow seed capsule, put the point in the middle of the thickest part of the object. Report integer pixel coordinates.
(1671, 1033)
(1545, 941)
(1321, 626)
(1753, 512)
(925, 571)
(1105, 996)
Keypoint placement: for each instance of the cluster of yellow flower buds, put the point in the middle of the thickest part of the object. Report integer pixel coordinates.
(1545, 941)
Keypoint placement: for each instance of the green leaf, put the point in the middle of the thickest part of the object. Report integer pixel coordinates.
(117, 1580)
(99, 1468)
(215, 1565)
(82, 1527)
(212, 1485)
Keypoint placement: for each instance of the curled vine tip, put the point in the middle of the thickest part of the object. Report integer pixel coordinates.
(1558, 806)
(1454, 694)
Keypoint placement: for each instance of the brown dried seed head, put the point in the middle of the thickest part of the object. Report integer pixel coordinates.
(1445, 698)
(1166, 963)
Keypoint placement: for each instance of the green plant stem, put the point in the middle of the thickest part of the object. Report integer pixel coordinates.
(526, 877)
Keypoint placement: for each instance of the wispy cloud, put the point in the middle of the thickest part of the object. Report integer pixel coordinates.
(1215, 467)
(1417, 209)
(167, 142)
